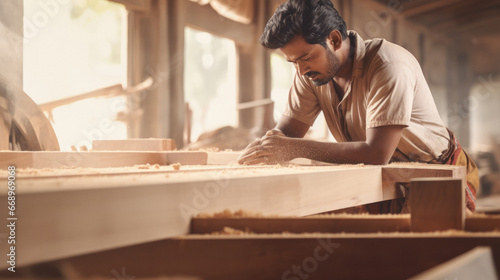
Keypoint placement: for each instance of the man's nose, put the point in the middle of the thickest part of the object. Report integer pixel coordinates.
(302, 67)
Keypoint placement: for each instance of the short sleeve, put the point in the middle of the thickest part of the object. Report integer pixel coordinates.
(302, 102)
(390, 98)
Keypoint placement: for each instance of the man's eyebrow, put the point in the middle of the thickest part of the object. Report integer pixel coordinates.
(292, 61)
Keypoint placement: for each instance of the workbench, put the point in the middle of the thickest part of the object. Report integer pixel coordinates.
(85, 214)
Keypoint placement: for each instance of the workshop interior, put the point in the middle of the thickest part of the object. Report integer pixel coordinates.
(123, 122)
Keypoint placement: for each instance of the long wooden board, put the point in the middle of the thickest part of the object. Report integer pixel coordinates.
(98, 159)
(68, 216)
(329, 224)
(286, 256)
(64, 217)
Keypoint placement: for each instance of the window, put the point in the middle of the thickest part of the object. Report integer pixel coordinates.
(209, 81)
(73, 47)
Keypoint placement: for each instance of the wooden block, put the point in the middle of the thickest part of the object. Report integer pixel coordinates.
(437, 204)
(403, 173)
(157, 145)
(475, 264)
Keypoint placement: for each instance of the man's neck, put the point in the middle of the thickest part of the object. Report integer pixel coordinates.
(344, 74)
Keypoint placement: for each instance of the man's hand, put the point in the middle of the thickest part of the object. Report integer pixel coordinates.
(273, 148)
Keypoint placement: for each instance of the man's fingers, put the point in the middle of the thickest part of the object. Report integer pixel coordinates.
(258, 160)
(258, 154)
(254, 143)
(250, 147)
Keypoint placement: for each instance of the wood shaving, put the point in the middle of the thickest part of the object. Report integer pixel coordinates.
(231, 231)
(148, 166)
(230, 214)
(176, 166)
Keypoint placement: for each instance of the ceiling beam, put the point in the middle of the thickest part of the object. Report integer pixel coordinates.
(419, 7)
(474, 17)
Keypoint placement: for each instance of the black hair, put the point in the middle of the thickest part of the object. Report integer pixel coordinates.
(313, 19)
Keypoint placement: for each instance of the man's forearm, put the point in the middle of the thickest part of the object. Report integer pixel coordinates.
(347, 152)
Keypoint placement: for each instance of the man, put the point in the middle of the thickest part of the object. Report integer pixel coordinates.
(373, 95)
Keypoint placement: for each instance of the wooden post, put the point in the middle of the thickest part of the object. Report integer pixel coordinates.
(437, 204)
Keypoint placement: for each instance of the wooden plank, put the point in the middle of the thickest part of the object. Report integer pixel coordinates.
(137, 144)
(437, 204)
(287, 256)
(329, 224)
(419, 8)
(207, 19)
(223, 158)
(482, 223)
(97, 159)
(475, 264)
(126, 210)
(347, 223)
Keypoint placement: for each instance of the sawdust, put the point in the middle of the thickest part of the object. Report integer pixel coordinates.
(230, 214)
(231, 231)
(358, 216)
(176, 166)
(248, 214)
(148, 166)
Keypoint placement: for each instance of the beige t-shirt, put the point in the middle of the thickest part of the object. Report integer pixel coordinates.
(387, 88)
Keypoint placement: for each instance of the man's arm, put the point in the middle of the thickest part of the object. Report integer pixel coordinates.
(380, 144)
(292, 127)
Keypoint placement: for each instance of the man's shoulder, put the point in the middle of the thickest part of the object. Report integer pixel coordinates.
(383, 51)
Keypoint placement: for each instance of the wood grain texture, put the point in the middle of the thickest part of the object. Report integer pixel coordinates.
(437, 204)
(157, 145)
(476, 264)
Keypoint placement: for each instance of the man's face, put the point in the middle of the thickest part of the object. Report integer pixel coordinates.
(315, 62)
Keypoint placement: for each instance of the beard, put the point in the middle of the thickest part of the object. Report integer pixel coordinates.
(333, 65)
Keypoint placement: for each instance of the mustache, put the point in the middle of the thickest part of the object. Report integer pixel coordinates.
(310, 74)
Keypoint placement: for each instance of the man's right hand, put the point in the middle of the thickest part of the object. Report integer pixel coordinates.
(246, 156)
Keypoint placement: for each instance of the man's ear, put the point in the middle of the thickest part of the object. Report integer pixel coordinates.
(335, 39)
